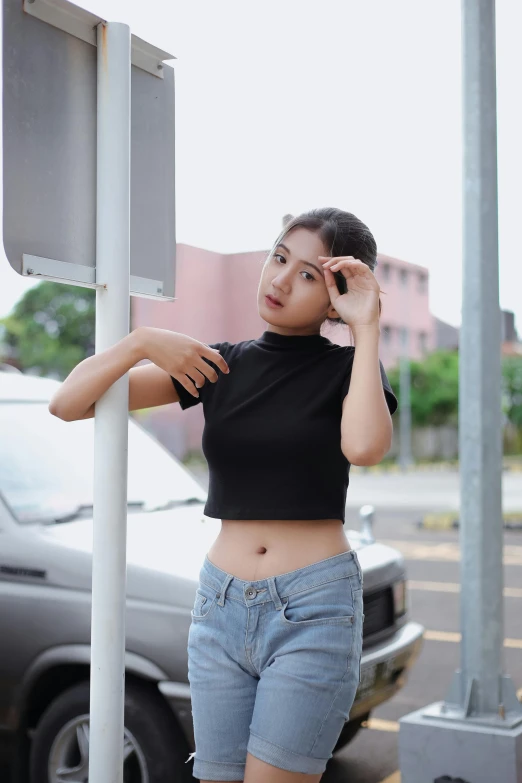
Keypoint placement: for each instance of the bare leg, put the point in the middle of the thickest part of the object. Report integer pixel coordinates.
(257, 771)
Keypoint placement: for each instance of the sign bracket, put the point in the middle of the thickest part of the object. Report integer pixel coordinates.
(82, 24)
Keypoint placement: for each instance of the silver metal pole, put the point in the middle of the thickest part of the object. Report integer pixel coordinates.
(405, 459)
(479, 689)
(111, 411)
(405, 448)
(476, 733)
(480, 426)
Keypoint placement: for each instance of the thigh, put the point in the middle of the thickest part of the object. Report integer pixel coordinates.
(222, 689)
(306, 692)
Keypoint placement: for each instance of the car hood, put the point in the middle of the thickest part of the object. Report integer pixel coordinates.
(175, 542)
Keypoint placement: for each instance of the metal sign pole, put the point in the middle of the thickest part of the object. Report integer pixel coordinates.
(405, 450)
(476, 733)
(111, 411)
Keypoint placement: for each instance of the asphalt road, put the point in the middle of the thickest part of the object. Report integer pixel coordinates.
(433, 578)
(432, 560)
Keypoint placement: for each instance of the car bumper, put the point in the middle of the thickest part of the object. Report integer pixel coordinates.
(384, 668)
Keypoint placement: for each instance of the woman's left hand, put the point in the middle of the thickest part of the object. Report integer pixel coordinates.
(359, 306)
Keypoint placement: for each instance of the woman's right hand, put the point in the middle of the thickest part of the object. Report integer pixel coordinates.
(182, 356)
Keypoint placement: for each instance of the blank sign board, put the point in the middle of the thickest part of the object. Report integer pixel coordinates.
(49, 149)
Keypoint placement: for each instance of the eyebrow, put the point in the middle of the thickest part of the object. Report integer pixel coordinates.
(308, 263)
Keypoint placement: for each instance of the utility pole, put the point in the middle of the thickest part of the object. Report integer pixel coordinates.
(476, 733)
(405, 449)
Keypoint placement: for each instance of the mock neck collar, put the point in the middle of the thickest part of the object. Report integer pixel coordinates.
(293, 342)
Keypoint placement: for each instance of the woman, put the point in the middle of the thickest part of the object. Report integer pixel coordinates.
(275, 640)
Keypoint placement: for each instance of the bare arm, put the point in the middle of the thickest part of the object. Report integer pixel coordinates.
(366, 424)
(172, 355)
(91, 378)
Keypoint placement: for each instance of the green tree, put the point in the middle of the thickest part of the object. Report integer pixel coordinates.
(50, 330)
(434, 388)
(512, 389)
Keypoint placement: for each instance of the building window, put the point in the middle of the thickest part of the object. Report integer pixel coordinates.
(386, 272)
(404, 337)
(404, 277)
(423, 342)
(423, 283)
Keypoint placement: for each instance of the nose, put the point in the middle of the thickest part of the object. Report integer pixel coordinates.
(282, 279)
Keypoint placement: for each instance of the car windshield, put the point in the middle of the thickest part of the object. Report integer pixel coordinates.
(46, 467)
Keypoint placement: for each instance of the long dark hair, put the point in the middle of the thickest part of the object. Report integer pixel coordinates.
(342, 233)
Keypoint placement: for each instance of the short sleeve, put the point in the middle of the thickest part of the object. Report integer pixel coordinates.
(186, 399)
(391, 399)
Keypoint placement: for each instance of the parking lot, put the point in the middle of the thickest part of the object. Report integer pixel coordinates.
(432, 561)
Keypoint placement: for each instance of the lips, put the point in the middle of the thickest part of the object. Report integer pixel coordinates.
(274, 301)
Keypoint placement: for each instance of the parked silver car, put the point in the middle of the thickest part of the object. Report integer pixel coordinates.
(46, 495)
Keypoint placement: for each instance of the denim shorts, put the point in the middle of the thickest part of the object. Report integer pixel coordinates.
(273, 666)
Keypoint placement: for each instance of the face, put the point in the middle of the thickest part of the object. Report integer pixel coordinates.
(293, 274)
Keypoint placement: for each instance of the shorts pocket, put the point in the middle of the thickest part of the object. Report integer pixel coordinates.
(204, 601)
(328, 604)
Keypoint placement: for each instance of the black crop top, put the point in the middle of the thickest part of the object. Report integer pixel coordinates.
(272, 434)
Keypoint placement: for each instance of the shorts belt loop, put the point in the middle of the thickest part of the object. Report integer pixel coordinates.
(273, 592)
(223, 590)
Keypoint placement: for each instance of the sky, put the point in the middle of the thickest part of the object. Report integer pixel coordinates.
(287, 105)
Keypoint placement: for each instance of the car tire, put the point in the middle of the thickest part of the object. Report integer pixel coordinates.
(159, 745)
(349, 730)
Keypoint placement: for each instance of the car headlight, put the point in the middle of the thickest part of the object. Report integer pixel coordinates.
(400, 599)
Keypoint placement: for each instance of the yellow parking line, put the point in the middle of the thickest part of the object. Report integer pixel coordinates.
(454, 587)
(381, 725)
(394, 778)
(513, 643)
(441, 587)
(448, 551)
(452, 636)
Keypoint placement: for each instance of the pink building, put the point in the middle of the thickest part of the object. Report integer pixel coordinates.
(216, 300)
(405, 310)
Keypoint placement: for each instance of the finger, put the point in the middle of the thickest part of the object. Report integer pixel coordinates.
(187, 383)
(331, 285)
(327, 260)
(355, 262)
(215, 357)
(206, 368)
(352, 268)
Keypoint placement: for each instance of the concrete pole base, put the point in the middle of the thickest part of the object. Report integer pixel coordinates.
(430, 748)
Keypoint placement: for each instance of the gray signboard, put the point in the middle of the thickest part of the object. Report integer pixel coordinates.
(49, 149)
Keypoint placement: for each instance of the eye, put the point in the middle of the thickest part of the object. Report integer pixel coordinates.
(309, 278)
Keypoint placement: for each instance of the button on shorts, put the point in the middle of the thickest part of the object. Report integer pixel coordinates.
(274, 665)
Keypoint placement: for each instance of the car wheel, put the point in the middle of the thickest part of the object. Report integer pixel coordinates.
(349, 730)
(155, 750)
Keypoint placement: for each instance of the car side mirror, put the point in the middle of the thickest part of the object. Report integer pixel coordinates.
(367, 513)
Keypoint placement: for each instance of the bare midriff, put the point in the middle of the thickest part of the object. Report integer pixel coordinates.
(256, 549)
